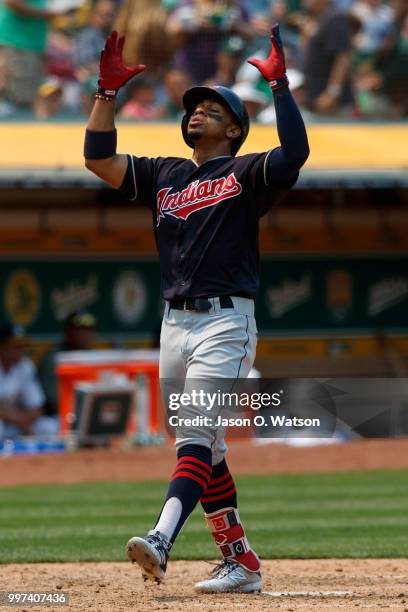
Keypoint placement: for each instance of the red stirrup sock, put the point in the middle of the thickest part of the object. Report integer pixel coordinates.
(229, 535)
(220, 492)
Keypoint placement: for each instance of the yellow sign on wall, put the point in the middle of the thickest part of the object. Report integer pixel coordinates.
(338, 146)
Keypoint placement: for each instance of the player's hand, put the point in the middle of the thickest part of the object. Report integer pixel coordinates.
(113, 74)
(273, 68)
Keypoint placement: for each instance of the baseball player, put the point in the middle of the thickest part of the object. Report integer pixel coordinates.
(205, 212)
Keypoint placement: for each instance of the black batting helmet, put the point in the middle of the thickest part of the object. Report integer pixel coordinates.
(224, 96)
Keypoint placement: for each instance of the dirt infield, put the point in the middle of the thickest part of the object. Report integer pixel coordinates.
(316, 584)
(288, 585)
(243, 458)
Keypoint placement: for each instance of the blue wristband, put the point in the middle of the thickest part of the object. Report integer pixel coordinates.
(100, 145)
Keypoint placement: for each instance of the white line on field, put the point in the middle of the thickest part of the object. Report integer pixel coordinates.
(308, 593)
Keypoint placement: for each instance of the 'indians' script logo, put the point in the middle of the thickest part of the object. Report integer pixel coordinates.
(195, 196)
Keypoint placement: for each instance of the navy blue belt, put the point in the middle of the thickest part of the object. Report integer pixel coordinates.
(200, 304)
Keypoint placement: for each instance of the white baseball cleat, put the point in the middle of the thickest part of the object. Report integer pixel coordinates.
(230, 577)
(151, 554)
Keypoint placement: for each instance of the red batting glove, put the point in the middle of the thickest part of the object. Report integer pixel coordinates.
(273, 69)
(113, 73)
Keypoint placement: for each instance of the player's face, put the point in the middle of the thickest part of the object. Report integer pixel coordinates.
(211, 121)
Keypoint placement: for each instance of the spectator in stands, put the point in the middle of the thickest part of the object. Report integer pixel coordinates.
(79, 335)
(376, 20)
(228, 60)
(90, 41)
(141, 101)
(59, 56)
(87, 94)
(176, 82)
(23, 36)
(255, 101)
(144, 24)
(257, 7)
(21, 396)
(60, 52)
(2, 71)
(199, 27)
(368, 97)
(264, 14)
(60, 66)
(392, 66)
(49, 99)
(327, 39)
(382, 79)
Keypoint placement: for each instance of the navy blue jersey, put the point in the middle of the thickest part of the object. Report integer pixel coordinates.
(206, 219)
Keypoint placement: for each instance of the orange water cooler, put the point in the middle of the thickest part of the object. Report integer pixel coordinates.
(74, 367)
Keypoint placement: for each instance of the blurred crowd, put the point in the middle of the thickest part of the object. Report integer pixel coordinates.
(345, 58)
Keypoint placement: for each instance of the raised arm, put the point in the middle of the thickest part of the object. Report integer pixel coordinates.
(285, 161)
(100, 138)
